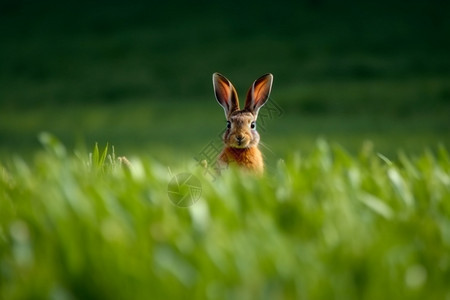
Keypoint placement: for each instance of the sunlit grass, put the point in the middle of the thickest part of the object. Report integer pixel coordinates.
(323, 225)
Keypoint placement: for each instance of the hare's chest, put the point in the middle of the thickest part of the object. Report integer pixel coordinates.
(248, 158)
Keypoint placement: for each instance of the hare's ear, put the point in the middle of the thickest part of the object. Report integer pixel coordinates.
(225, 94)
(258, 94)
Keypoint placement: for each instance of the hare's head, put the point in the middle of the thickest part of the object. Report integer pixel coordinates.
(241, 124)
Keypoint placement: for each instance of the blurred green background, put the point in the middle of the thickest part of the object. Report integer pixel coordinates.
(138, 74)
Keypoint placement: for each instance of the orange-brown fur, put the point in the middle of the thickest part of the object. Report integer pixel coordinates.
(249, 158)
(241, 138)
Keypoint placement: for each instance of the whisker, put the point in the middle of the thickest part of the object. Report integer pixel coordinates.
(266, 147)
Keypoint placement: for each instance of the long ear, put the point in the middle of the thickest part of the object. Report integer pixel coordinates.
(225, 94)
(258, 94)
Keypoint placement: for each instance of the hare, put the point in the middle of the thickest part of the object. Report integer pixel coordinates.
(241, 138)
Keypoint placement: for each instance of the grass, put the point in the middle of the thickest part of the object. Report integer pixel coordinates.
(139, 73)
(327, 225)
(329, 220)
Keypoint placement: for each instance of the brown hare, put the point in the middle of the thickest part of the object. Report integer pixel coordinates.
(241, 138)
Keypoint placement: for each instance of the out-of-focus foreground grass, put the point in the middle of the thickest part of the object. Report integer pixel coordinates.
(328, 225)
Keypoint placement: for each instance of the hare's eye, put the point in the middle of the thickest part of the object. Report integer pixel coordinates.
(228, 124)
(253, 125)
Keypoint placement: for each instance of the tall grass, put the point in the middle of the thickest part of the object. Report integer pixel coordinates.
(324, 226)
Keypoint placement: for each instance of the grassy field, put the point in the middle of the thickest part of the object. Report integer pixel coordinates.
(138, 74)
(355, 200)
(328, 225)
